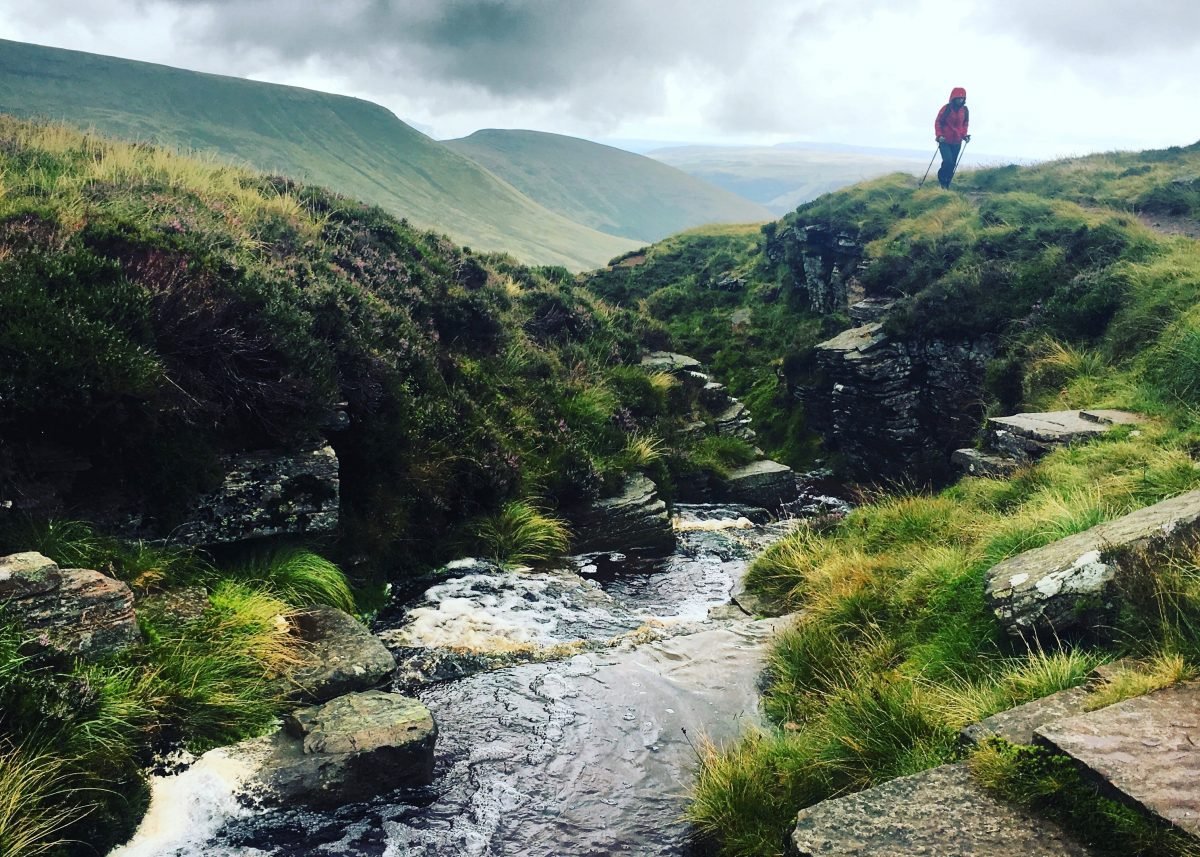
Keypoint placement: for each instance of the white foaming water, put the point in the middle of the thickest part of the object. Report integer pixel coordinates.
(682, 525)
(513, 611)
(187, 809)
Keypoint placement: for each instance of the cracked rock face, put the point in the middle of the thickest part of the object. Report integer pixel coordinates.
(343, 656)
(1068, 585)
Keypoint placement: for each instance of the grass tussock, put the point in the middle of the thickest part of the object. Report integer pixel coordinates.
(521, 533)
(35, 805)
(299, 577)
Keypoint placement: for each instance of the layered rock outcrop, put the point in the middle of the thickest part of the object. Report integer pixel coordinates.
(892, 408)
(636, 519)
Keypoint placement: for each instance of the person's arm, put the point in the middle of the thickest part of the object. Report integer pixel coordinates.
(939, 125)
(966, 124)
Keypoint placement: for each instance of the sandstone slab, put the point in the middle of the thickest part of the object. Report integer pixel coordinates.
(343, 656)
(1017, 725)
(766, 484)
(1030, 435)
(937, 813)
(636, 519)
(1143, 751)
(265, 495)
(1068, 585)
(351, 748)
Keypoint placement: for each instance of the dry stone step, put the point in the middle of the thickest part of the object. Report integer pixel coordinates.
(1068, 585)
(1144, 752)
(937, 813)
(1017, 725)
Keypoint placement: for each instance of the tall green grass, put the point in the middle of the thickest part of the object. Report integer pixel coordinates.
(520, 533)
(299, 577)
(893, 650)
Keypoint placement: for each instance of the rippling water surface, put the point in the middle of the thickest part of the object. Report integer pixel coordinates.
(583, 745)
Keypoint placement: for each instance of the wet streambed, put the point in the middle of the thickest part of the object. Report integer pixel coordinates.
(581, 745)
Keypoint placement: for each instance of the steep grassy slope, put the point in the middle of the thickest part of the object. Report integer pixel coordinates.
(893, 649)
(349, 145)
(608, 189)
(781, 177)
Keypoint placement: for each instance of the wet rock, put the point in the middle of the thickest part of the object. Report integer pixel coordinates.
(351, 748)
(343, 656)
(1017, 725)
(767, 484)
(1141, 751)
(265, 495)
(1069, 585)
(636, 519)
(938, 813)
(79, 611)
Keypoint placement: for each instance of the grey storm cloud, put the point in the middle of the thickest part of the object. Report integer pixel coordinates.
(531, 48)
(1102, 28)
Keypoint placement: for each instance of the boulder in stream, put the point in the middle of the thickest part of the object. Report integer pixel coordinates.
(766, 484)
(348, 749)
(343, 656)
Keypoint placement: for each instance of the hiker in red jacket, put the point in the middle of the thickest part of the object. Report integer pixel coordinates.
(950, 129)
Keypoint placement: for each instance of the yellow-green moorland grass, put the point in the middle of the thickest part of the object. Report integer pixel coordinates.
(892, 650)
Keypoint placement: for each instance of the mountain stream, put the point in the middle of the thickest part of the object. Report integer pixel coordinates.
(571, 728)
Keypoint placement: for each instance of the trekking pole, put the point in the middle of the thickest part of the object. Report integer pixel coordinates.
(921, 183)
(961, 152)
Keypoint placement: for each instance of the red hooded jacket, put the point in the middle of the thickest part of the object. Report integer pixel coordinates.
(950, 123)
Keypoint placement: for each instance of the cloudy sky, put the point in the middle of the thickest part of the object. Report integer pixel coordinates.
(1044, 77)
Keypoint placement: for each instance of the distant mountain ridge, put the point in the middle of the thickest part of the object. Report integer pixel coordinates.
(349, 145)
(603, 187)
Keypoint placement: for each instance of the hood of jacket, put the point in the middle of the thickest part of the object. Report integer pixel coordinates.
(957, 92)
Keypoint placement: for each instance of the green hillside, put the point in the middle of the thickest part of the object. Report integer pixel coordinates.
(608, 189)
(351, 146)
(1085, 274)
(778, 177)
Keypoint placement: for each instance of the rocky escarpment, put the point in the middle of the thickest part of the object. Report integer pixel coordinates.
(891, 408)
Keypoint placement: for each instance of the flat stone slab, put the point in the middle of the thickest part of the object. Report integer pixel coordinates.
(1068, 585)
(856, 339)
(938, 813)
(1062, 426)
(353, 747)
(1017, 725)
(1144, 752)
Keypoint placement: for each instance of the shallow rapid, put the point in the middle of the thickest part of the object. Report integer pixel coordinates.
(584, 741)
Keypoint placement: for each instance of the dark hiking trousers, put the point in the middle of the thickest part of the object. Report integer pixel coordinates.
(949, 161)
